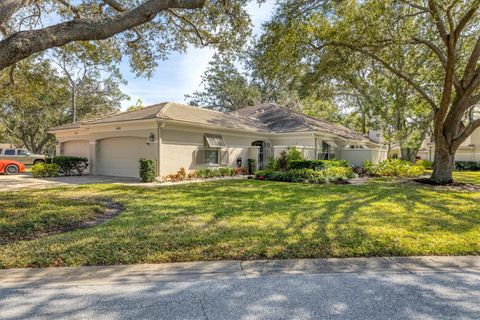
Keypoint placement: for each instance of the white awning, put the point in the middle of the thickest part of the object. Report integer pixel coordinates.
(214, 140)
(332, 144)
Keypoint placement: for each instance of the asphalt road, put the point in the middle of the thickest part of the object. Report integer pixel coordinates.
(419, 295)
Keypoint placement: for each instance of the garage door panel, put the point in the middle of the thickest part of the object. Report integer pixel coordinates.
(120, 156)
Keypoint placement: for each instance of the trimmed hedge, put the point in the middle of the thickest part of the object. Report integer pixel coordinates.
(216, 172)
(45, 170)
(71, 166)
(467, 165)
(148, 170)
(317, 164)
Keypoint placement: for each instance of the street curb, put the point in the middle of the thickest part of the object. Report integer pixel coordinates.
(194, 271)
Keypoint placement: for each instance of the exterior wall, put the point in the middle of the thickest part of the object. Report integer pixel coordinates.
(179, 144)
(304, 143)
(98, 133)
(357, 157)
(174, 145)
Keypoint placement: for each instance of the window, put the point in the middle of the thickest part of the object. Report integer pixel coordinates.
(21, 152)
(9, 152)
(210, 156)
(214, 140)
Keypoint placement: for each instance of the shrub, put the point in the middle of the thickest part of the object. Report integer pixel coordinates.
(252, 166)
(308, 175)
(241, 171)
(272, 164)
(226, 172)
(294, 154)
(71, 166)
(282, 161)
(338, 173)
(467, 165)
(43, 170)
(316, 164)
(213, 173)
(148, 170)
(427, 165)
(394, 168)
(180, 175)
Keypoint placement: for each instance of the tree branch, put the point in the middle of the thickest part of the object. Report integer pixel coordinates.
(388, 66)
(466, 18)
(70, 7)
(9, 7)
(465, 134)
(469, 72)
(25, 43)
(441, 56)
(195, 29)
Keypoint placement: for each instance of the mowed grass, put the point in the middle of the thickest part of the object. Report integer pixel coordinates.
(472, 177)
(33, 215)
(245, 219)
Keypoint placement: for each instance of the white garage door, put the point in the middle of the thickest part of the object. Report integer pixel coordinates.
(119, 156)
(77, 149)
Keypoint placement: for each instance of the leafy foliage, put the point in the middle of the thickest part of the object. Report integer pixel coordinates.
(467, 165)
(225, 88)
(40, 99)
(317, 164)
(71, 166)
(394, 168)
(44, 170)
(145, 31)
(329, 174)
(148, 170)
(294, 154)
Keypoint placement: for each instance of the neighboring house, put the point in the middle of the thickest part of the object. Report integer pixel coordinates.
(6, 145)
(469, 150)
(177, 135)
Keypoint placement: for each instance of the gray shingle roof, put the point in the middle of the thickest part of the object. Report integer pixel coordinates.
(261, 118)
(280, 120)
(74, 125)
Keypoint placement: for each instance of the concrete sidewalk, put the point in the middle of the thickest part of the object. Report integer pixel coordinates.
(194, 271)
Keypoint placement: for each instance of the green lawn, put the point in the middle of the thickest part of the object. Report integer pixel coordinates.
(467, 177)
(245, 219)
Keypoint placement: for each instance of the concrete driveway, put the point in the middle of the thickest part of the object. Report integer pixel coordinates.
(26, 181)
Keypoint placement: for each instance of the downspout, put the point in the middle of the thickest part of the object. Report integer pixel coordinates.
(159, 151)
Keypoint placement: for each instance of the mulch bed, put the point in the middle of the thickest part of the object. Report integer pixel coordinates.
(449, 186)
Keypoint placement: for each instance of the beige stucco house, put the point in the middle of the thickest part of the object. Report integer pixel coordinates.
(469, 150)
(177, 135)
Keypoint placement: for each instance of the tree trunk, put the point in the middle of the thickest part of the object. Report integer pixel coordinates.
(444, 162)
(74, 102)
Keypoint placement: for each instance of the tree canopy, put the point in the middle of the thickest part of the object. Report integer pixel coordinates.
(146, 31)
(40, 99)
(432, 46)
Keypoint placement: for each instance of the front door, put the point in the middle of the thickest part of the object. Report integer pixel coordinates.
(261, 154)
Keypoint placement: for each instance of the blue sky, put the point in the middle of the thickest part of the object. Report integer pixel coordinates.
(181, 73)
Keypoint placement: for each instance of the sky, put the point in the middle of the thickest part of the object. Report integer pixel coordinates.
(181, 74)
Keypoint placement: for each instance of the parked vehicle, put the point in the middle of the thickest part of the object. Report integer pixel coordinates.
(21, 155)
(11, 167)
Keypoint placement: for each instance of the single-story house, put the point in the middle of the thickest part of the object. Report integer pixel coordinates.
(177, 135)
(469, 150)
